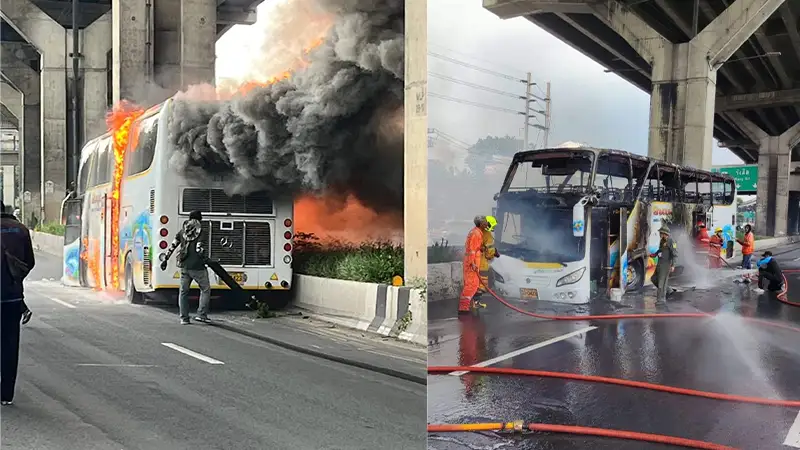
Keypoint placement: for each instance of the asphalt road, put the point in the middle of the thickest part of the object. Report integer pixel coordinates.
(96, 375)
(724, 354)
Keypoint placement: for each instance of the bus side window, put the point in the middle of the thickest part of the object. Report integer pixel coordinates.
(85, 168)
(90, 165)
(101, 168)
(689, 182)
(730, 188)
(704, 190)
(141, 157)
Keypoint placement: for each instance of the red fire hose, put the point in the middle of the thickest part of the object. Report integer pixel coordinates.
(619, 434)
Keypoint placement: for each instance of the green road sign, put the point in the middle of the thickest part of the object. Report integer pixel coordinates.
(746, 177)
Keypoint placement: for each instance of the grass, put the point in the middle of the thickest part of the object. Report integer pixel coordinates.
(55, 228)
(371, 262)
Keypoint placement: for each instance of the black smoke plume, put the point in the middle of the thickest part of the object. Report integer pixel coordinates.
(333, 127)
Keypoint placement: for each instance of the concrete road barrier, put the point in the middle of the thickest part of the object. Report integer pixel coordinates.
(48, 243)
(399, 312)
(445, 280)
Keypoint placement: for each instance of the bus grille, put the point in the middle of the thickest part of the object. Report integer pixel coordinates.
(259, 244)
(248, 243)
(216, 201)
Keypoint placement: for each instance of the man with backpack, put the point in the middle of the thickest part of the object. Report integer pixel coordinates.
(192, 261)
(16, 262)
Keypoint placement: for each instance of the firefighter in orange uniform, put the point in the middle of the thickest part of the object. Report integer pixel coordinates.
(701, 242)
(488, 253)
(471, 264)
(715, 249)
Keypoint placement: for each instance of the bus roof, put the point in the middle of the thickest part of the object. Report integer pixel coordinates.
(523, 156)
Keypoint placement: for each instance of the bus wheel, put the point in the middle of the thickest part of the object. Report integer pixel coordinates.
(131, 294)
(275, 300)
(635, 275)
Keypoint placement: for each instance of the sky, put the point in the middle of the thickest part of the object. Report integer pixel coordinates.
(588, 105)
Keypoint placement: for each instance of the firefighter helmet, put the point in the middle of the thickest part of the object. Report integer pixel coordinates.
(492, 222)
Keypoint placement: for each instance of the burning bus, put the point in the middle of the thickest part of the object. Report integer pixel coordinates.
(581, 221)
(112, 238)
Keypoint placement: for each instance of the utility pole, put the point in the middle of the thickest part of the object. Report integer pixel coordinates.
(527, 112)
(547, 115)
(75, 98)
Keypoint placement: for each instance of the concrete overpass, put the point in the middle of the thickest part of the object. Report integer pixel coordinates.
(142, 50)
(714, 68)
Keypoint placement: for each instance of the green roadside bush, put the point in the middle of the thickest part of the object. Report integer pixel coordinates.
(55, 228)
(371, 262)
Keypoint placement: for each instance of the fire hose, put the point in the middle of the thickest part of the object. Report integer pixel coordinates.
(519, 426)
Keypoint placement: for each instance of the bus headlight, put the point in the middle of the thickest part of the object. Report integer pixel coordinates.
(162, 257)
(287, 259)
(572, 278)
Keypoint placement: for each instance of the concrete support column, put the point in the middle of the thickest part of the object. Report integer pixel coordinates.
(198, 41)
(95, 45)
(682, 106)
(415, 162)
(49, 38)
(774, 158)
(9, 190)
(131, 39)
(26, 80)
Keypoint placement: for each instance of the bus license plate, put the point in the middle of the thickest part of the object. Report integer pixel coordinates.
(528, 294)
(239, 277)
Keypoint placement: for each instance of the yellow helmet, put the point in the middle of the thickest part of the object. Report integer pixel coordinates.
(718, 230)
(492, 222)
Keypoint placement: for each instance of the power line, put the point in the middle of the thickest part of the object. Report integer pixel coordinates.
(480, 105)
(474, 67)
(476, 86)
(476, 58)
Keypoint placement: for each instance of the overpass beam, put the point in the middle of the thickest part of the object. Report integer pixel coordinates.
(731, 29)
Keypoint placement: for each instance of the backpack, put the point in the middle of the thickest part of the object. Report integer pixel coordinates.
(16, 267)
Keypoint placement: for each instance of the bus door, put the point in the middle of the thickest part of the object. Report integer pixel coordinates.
(74, 230)
(599, 250)
(106, 239)
(622, 229)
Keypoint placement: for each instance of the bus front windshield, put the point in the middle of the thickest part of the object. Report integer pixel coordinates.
(537, 234)
(552, 171)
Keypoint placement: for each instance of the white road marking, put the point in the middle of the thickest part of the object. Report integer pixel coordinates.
(115, 365)
(62, 302)
(526, 349)
(191, 353)
(793, 437)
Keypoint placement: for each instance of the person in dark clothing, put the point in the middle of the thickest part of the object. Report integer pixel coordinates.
(192, 261)
(5, 212)
(770, 271)
(16, 261)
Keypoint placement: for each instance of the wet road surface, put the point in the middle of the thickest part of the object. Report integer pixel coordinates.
(95, 375)
(722, 354)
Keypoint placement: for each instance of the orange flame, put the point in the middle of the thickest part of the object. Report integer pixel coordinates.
(119, 122)
(345, 220)
(92, 260)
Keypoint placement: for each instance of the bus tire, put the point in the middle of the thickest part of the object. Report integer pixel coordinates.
(275, 300)
(131, 294)
(637, 269)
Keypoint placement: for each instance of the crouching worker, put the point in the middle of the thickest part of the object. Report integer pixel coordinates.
(192, 261)
(770, 276)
